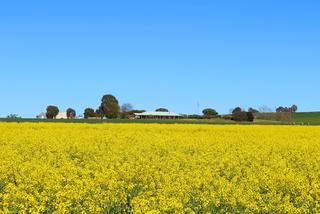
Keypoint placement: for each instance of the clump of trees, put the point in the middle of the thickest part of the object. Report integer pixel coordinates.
(52, 112)
(285, 114)
(209, 113)
(293, 108)
(240, 115)
(13, 116)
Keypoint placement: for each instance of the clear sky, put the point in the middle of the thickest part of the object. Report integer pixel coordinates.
(166, 53)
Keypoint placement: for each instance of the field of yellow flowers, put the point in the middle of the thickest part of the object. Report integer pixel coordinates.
(149, 168)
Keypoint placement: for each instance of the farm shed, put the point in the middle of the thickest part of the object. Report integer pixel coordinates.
(157, 115)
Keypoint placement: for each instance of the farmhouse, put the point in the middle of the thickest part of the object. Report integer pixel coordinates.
(62, 115)
(157, 115)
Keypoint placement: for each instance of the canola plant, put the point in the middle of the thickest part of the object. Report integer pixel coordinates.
(149, 168)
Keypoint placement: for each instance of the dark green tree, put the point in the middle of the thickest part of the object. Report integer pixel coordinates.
(71, 113)
(237, 109)
(109, 106)
(209, 113)
(89, 112)
(52, 112)
(281, 109)
(294, 108)
(240, 116)
(99, 113)
(252, 110)
(162, 110)
(250, 116)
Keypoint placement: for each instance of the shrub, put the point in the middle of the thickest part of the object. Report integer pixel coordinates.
(227, 117)
(243, 116)
(250, 116)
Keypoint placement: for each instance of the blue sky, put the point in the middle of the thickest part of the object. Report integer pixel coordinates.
(153, 54)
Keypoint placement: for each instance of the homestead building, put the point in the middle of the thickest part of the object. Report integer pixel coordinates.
(157, 115)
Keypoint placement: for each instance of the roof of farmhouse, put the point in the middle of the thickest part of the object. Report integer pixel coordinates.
(158, 113)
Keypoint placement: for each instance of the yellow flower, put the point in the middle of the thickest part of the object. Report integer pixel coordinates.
(150, 168)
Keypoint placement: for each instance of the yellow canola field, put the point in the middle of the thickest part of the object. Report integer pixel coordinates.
(145, 168)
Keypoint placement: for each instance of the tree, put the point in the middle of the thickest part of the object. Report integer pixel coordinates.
(291, 109)
(280, 109)
(294, 108)
(52, 112)
(12, 116)
(162, 110)
(109, 106)
(209, 113)
(252, 110)
(237, 109)
(71, 113)
(89, 112)
(126, 107)
(250, 116)
(99, 113)
(239, 115)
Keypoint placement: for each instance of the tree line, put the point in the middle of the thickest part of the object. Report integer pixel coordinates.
(110, 108)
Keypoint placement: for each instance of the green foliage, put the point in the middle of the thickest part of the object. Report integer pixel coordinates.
(237, 109)
(52, 112)
(250, 116)
(227, 117)
(130, 114)
(99, 113)
(162, 110)
(252, 110)
(12, 116)
(294, 108)
(89, 112)
(109, 106)
(243, 116)
(71, 113)
(195, 116)
(209, 113)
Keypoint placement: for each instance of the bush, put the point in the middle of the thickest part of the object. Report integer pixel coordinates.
(195, 116)
(227, 117)
(243, 116)
(250, 116)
